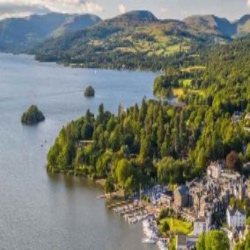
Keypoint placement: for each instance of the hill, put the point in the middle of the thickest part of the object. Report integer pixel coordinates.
(18, 34)
(133, 40)
(243, 25)
(211, 24)
(138, 40)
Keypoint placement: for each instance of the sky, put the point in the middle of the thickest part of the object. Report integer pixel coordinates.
(163, 9)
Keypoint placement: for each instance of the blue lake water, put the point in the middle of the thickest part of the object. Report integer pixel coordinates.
(42, 212)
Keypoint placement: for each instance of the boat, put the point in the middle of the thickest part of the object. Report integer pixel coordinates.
(132, 220)
(161, 245)
(149, 240)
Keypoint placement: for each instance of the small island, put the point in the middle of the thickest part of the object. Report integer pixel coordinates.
(32, 116)
(89, 92)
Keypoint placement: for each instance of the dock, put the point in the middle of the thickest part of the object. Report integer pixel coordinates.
(118, 204)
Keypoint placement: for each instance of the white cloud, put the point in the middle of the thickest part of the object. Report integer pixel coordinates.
(122, 8)
(26, 7)
(164, 10)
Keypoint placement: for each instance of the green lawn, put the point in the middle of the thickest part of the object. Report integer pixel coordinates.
(189, 69)
(187, 82)
(179, 226)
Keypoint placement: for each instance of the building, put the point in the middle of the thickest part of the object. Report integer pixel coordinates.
(214, 170)
(248, 188)
(184, 242)
(235, 217)
(247, 117)
(181, 242)
(181, 196)
(201, 225)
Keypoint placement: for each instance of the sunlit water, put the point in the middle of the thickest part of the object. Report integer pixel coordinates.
(42, 212)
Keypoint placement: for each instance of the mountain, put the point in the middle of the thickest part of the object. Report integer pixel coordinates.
(137, 15)
(17, 34)
(134, 39)
(211, 24)
(243, 25)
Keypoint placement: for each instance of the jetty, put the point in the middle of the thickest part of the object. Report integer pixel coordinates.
(118, 204)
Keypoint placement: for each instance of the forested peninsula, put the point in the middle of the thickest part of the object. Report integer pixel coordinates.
(156, 142)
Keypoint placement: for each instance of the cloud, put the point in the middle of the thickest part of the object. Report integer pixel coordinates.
(10, 8)
(248, 3)
(122, 8)
(164, 10)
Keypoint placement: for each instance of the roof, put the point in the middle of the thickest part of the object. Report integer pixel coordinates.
(181, 240)
(233, 211)
(183, 190)
(201, 219)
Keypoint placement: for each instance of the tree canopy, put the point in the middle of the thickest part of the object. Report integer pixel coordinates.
(89, 91)
(32, 116)
(213, 240)
(160, 142)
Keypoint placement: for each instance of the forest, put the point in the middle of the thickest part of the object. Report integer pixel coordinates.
(157, 142)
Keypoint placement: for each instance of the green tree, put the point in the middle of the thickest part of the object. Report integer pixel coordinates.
(123, 171)
(164, 227)
(233, 161)
(89, 91)
(247, 242)
(109, 186)
(201, 242)
(248, 221)
(217, 240)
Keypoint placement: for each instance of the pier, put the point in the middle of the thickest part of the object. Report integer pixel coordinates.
(118, 204)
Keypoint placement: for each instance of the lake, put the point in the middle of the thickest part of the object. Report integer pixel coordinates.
(43, 212)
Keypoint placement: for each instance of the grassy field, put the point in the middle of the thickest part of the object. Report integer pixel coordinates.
(178, 92)
(189, 69)
(179, 226)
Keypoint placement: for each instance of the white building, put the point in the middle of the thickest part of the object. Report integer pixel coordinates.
(201, 225)
(236, 217)
(214, 170)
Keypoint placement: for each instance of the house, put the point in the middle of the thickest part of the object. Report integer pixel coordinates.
(214, 170)
(181, 242)
(235, 217)
(184, 242)
(181, 196)
(248, 188)
(247, 116)
(201, 225)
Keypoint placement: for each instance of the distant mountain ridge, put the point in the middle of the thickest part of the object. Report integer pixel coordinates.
(211, 24)
(88, 41)
(22, 33)
(138, 39)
